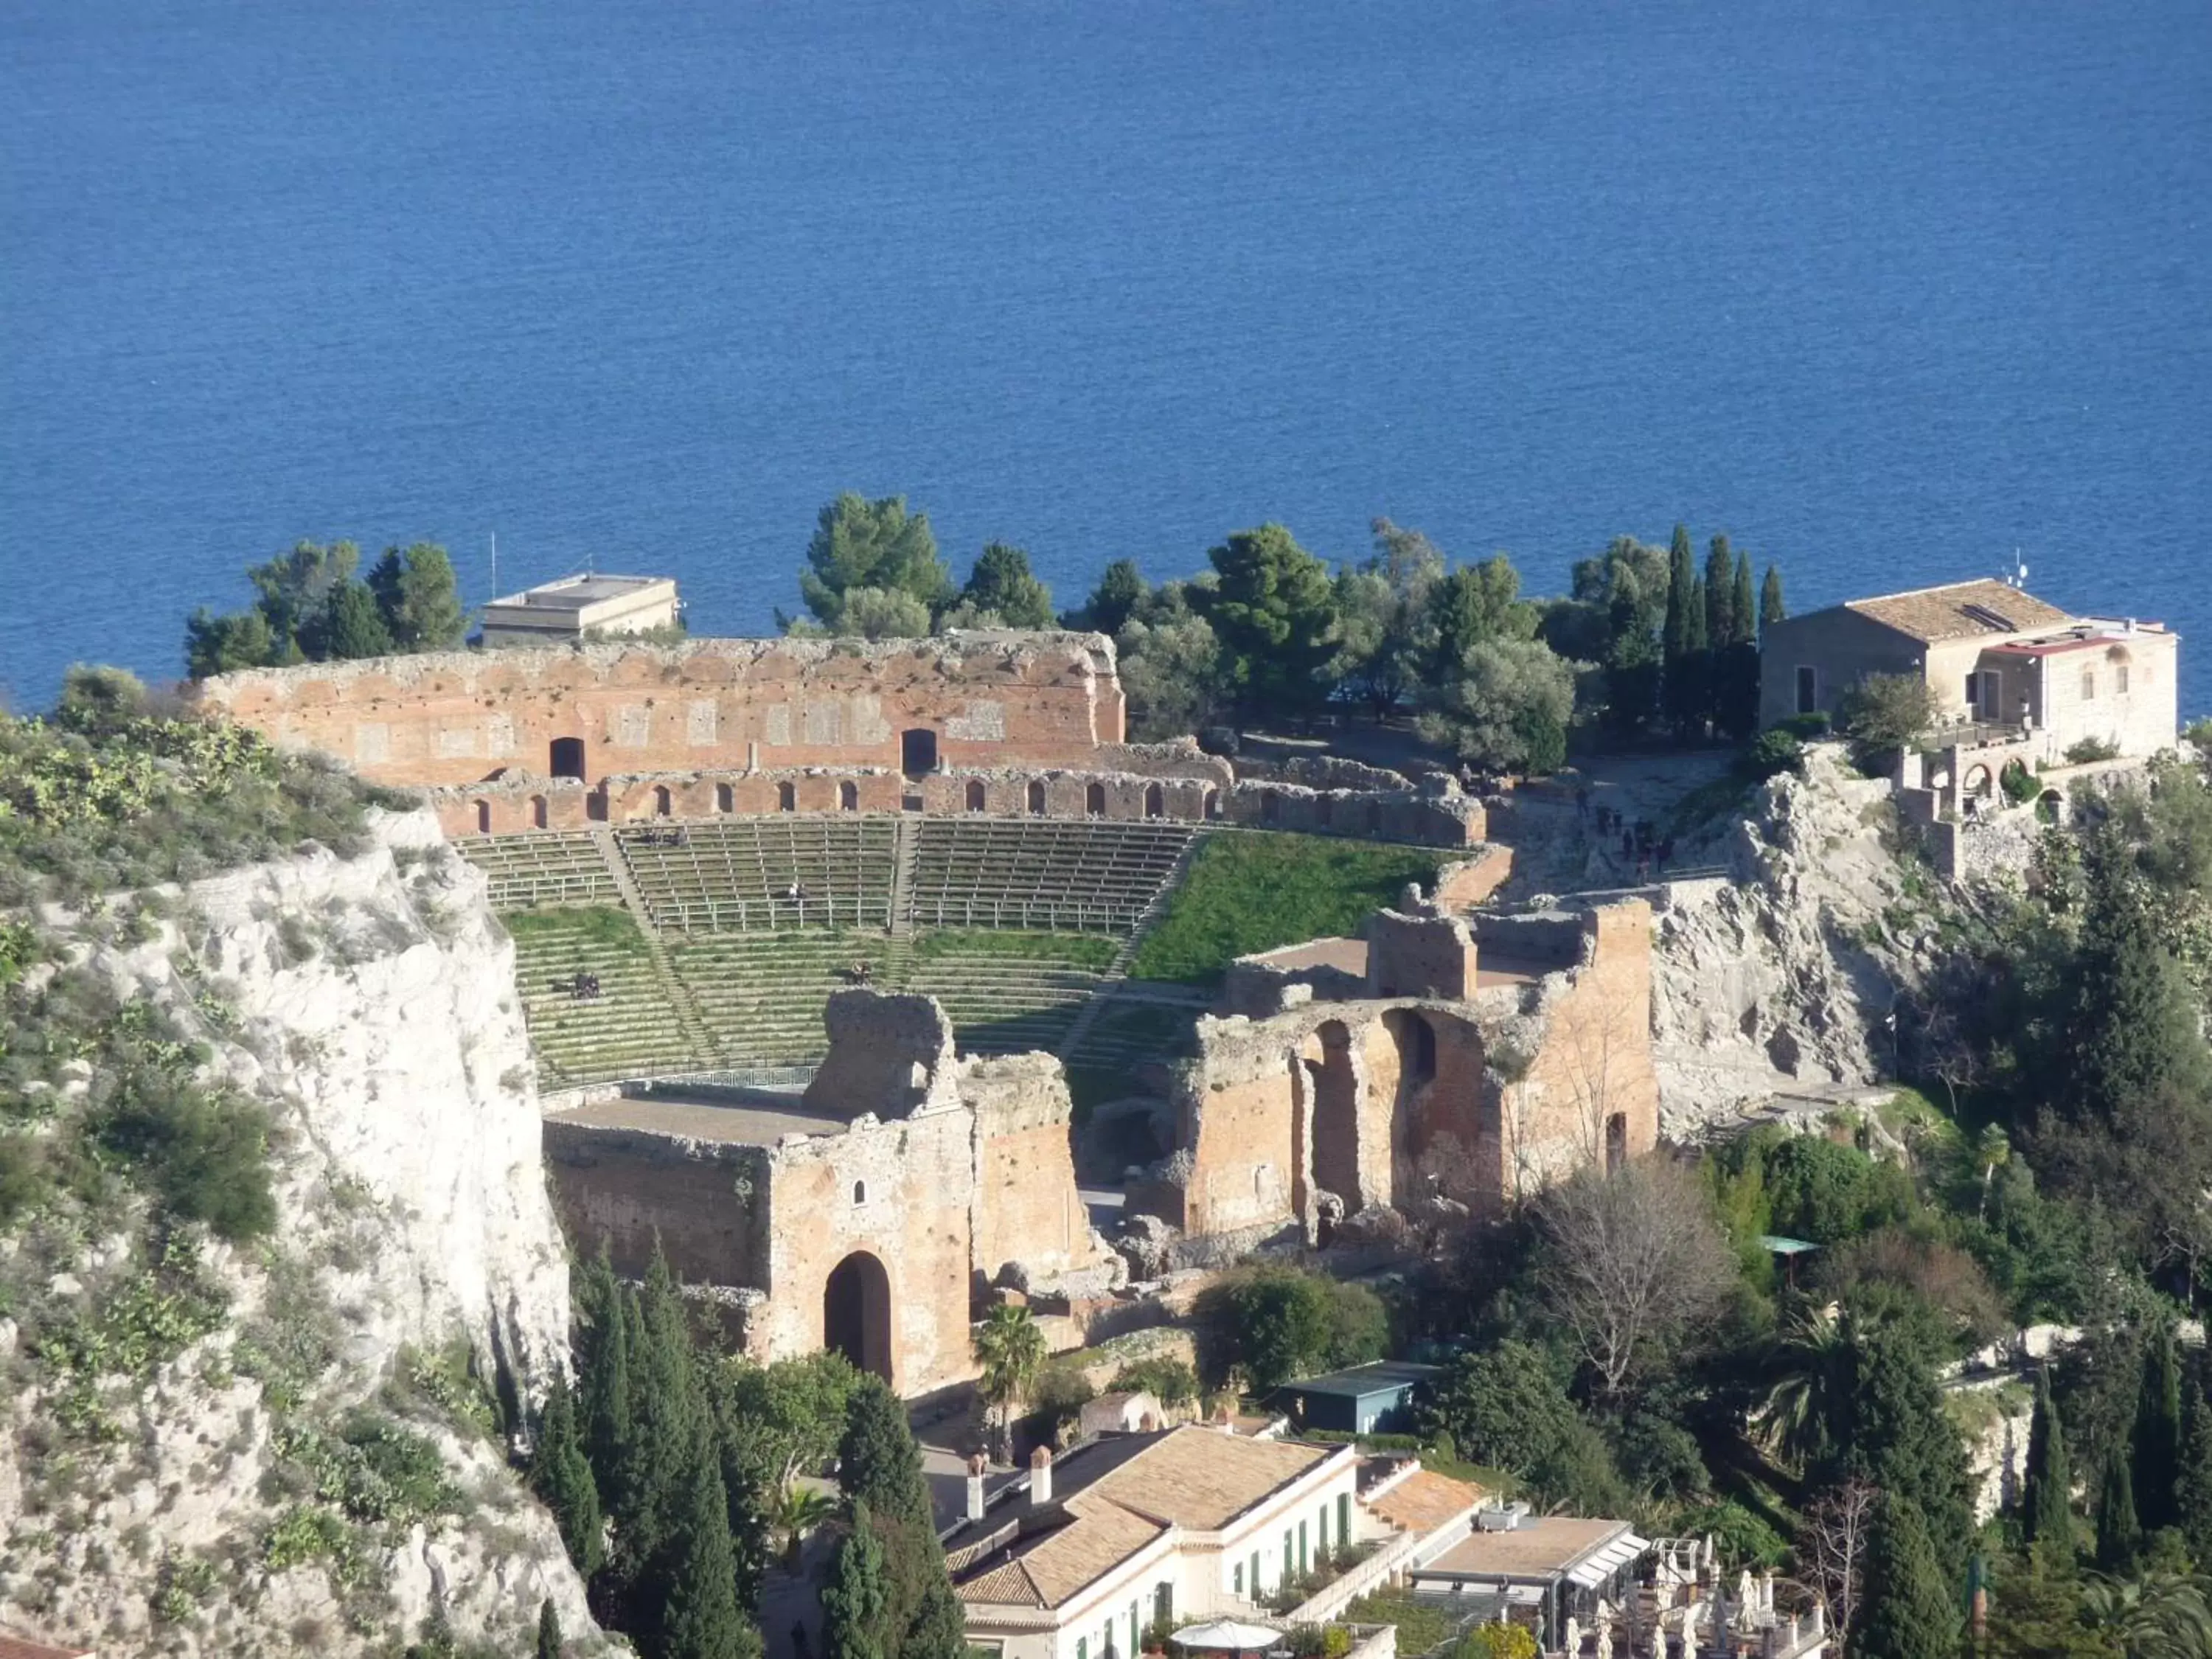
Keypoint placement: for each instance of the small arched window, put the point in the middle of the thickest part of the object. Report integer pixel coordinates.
(725, 799)
(661, 804)
(859, 1192)
(1156, 803)
(483, 818)
(849, 797)
(786, 798)
(1094, 800)
(1036, 797)
(1214, 803)
(974, 795)
(539, 812)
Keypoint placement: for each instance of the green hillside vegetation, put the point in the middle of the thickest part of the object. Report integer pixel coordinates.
(1247, 892)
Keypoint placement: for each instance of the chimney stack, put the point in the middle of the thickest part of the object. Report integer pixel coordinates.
(975, 1466)
(1041, 1476)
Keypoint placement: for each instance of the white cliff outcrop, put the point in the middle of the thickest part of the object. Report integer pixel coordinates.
(1781, 977)
(369, 1003)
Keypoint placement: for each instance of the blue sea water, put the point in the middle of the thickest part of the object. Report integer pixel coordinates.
(1885, 289)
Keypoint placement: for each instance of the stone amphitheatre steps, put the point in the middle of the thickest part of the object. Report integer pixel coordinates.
(1014, 926)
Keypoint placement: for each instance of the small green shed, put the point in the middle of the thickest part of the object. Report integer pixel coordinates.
(1377, 1398)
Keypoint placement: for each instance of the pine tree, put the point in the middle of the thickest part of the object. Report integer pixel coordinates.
(698, 1582)
(1910, 1611)
(2193, 1487)
(561, 1475)
(2046, 1497)
(877, 1463)
(854, 1600)
(349, 627)
(418, 598)
(2158, 1434)
(2120, 1532)
(548, 1631)
(1771, 607)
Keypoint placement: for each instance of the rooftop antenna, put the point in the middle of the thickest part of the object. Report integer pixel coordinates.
(495, 564)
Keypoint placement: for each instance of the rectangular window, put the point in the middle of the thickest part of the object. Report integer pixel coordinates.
(2120, 679)
(2088, 685)
(1808, 690)
(1237, 1580)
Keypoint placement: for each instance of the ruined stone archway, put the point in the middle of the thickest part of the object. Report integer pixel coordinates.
(856, 1313)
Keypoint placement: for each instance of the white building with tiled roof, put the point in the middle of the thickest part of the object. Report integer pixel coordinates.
(2004, 666)
(1130, 1528)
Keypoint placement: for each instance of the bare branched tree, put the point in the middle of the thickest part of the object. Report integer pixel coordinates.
(1838, 1532)
(1630, 1261)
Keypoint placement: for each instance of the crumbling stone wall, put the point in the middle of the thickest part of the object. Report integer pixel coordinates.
(1420, 955)
(1477, 1097)
(942, 1175)
(449, 718)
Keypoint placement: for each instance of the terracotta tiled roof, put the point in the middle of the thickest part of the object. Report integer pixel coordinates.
(1960, 610)
(1424, 1500)
(1192, 1477)
(13, 1646)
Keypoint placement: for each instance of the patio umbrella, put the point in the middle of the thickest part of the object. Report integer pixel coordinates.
(1230, 1635)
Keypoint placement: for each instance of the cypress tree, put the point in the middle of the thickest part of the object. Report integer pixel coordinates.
(1680, 634)
(877, 1463)
(2193, 1487)
(2119, 1532)
(561, 1476)
(1720, 596)
(1909, 1611)
(854, 1600)
(698, 1582)
(667, 1424)
(607, 1426)
(1743, 610)
(2158, 1434)
(2046, 1497)
(548, 1631)
(1771, 607)
(1897, 1434)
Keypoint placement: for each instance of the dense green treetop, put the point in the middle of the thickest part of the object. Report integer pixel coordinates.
(876, 544)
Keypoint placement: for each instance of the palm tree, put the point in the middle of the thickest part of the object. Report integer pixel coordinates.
(796, 1511)
(2160, 1615)
(1010, 1348)
(1807, 1370)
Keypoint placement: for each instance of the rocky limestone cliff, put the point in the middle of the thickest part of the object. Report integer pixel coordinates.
(1779, 977)
(220, 1506)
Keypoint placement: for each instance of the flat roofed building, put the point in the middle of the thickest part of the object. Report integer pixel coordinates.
(1558, 1566)
(1370, 1399)
(576, 607)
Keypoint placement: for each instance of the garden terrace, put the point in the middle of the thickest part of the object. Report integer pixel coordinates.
(1063, 877)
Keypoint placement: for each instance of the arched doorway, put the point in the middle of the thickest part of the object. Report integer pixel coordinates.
(917, 752)
(975, 795)
(483, 818)
(1094, 800)
(569, 757)
(662, 804)
(856, 1313)
(538, 814)
(1036, 797)
(1156, 801)
(849, 797)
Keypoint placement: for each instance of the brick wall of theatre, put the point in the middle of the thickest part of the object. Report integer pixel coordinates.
(455, 718)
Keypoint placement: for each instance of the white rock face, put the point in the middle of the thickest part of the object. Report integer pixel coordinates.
(1779, 978)
(369, 1003)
